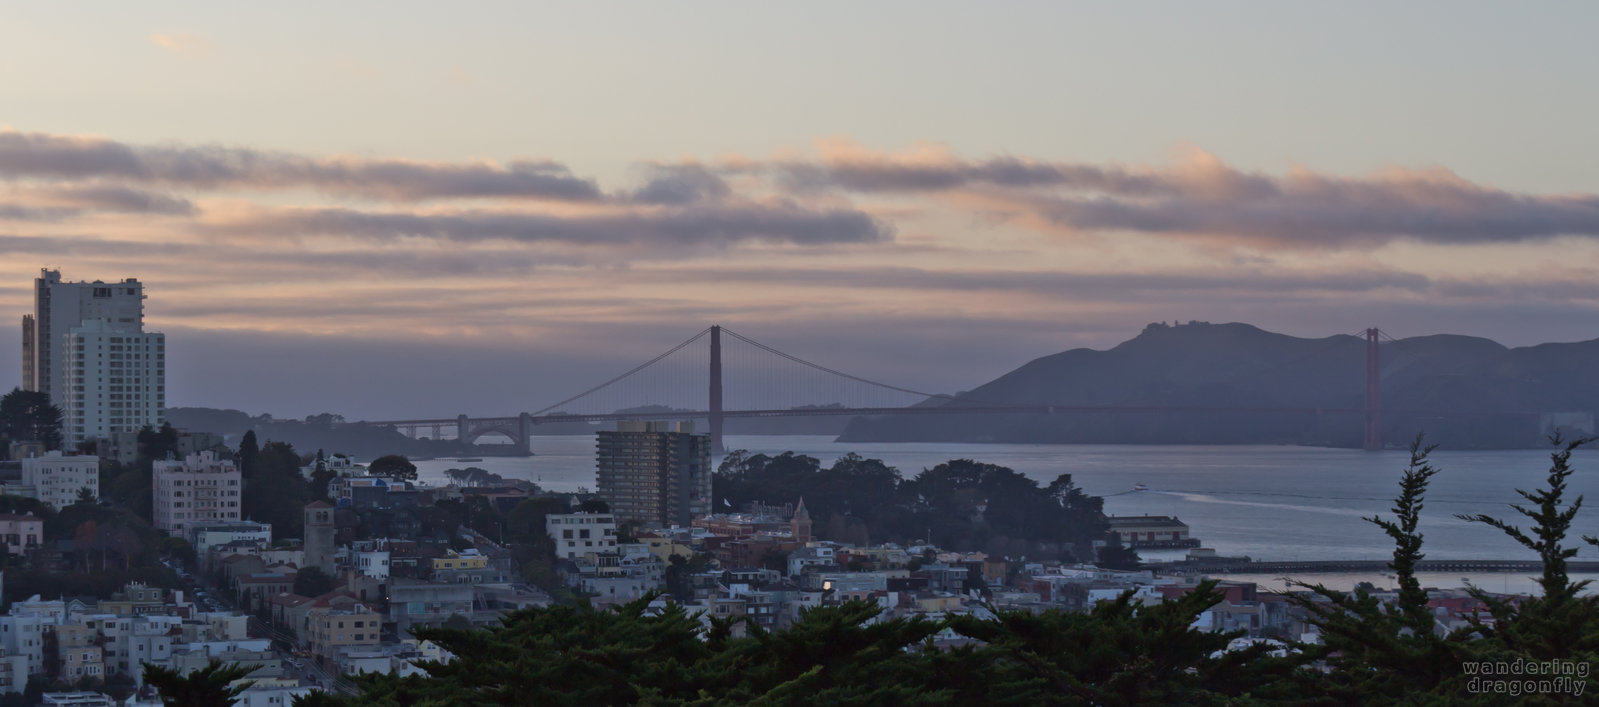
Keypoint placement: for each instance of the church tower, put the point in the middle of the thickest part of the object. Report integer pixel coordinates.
(800, 526)
(319, 537)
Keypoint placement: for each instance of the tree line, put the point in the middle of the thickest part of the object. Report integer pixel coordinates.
(958, 505)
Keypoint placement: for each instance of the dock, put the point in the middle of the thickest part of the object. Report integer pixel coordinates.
(1358, 566)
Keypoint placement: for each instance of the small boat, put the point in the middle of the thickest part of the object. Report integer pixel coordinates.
(1140, 486)
(473, 459)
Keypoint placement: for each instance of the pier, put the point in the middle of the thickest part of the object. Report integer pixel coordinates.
(1357, 566)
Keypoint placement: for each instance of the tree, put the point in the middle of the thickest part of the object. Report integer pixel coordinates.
(158, 445)
(319, 483)
(85, 496)
(1116, 556)
(1122, 653)
(119, 686)
(249, 451)
(312, 582)
(210, 686)
(393, 466)
(1384, 654)
(1559, 624)
(275, 492)
(180, 550)
(28, 416)
(594, 505)
(1385, 651)
(526, 522)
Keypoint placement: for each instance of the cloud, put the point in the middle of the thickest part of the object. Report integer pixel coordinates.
(681, 184)
(1197, 197)
(61, 203)
(1119, 284)
(1200, 197)
(21, 212)
(719, 226)
(60, 157)
(83, 246)
(933, 169)
(182, 43)
(111, 198)
(1312, 211)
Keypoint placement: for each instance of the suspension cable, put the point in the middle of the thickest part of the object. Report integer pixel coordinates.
(858, 379)
(635, 369)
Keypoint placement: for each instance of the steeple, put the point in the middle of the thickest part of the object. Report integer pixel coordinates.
(800, 526)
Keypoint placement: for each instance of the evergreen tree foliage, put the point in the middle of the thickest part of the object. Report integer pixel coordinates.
(960, 504)
(1558, 624)
(158, 444)
(1117, 556)
(206, 687)
(1395, 653)
(28, 416)
(1121, 653)
(312, 582)
(392, 466)
(249, 452)
(1378, 651)
(275, 492)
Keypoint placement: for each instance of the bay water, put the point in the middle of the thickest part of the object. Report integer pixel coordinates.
(1266, 502)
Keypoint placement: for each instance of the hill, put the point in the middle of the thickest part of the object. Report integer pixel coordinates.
(1242, 366)
(316, 432)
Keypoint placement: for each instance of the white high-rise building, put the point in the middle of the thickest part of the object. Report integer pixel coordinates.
(118, 381)
(85, 346)
(201, 489)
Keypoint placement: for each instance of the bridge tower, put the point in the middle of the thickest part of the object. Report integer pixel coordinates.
(463, 428)
(716, 390)
(1373, 393)
(524, 432)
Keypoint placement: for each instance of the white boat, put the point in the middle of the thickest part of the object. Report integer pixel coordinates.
(1140, 486)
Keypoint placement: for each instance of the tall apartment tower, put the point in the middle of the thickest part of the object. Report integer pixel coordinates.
(85, 346)
(655, 473)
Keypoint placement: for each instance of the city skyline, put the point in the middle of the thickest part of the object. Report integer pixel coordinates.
(420, 216)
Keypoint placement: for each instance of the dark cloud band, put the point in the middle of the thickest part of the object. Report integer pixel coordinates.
(695, 226)
(1202, 197)
(57, 157)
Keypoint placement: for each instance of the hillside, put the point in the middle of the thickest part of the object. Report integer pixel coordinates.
(359, 440)
(1241, 366)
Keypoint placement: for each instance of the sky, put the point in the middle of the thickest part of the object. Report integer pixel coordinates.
(392, 210)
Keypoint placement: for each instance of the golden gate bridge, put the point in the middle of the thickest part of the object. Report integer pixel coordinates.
(688, 382)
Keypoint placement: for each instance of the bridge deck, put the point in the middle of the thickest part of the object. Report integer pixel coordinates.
(938, 410)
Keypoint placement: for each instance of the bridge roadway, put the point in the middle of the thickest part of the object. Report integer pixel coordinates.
(927, 410)
(1361, 566)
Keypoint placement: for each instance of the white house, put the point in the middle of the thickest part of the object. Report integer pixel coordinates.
(578, 533)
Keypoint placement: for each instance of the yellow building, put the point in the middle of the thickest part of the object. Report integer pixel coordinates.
(80, 656)
(330, 630)
(665, 548)
(935, 603)
(468, 560)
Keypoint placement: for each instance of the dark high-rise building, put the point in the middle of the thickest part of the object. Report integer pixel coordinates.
(655, 473)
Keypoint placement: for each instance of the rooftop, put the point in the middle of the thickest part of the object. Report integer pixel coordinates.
(1144, 522)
